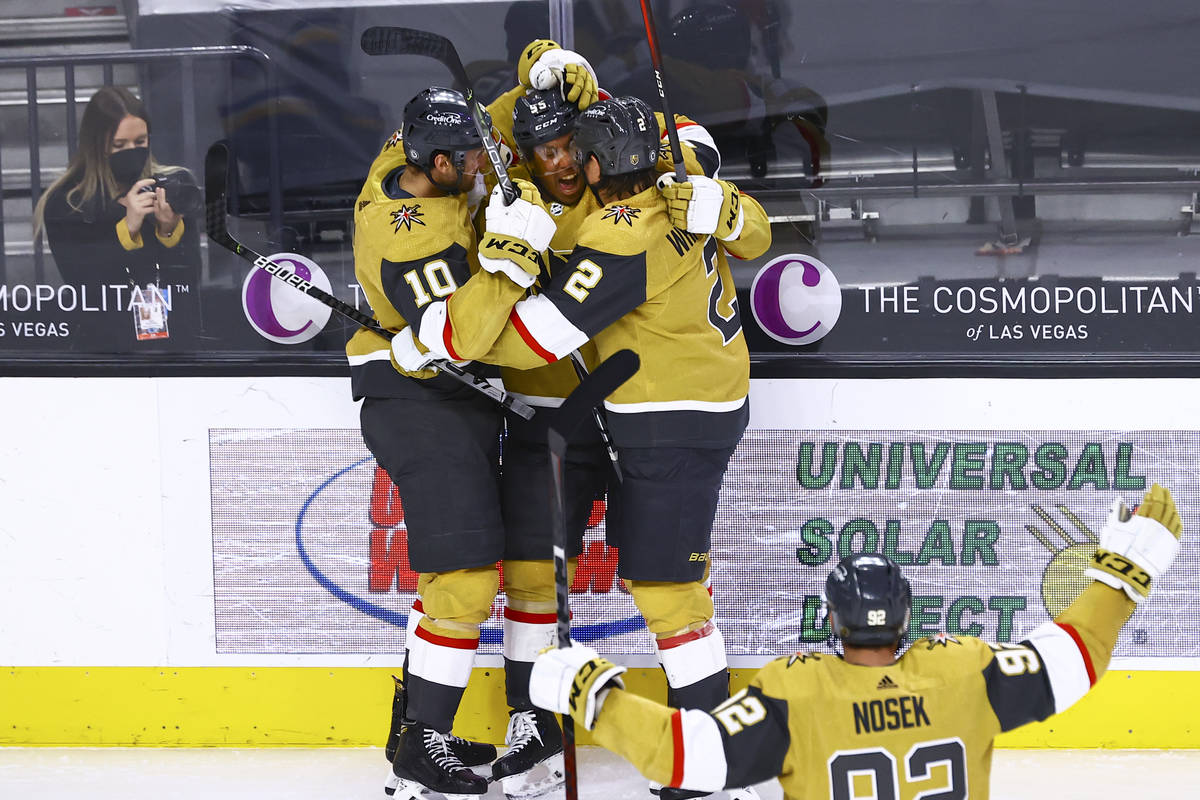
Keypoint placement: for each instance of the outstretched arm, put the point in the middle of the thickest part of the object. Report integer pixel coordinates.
(742, 741)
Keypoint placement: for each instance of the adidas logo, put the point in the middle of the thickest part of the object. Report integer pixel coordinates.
(886, 683)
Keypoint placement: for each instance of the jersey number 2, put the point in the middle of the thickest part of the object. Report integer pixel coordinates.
(879, 767)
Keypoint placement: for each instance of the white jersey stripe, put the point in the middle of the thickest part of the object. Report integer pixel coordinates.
(675, 405)
(704, 766)
(363, 358)
(551, 330)
(1063, 663)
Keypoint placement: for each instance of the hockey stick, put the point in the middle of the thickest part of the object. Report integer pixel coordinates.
(591, 391)
(216, 187)
(581, 371)
(668, 119)
(387, 40)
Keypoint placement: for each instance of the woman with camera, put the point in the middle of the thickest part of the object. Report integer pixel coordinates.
(124, 231)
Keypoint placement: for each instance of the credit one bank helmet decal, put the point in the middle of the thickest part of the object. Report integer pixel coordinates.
(795, 299)
(283, 313)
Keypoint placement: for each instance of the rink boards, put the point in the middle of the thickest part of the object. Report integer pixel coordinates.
(231, 571)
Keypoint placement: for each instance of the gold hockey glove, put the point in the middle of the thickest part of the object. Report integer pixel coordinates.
(1136, 548)
(573, 680)
(529, 56)
(515, 235)
(544, 65)
(579, 84)
(703, 205)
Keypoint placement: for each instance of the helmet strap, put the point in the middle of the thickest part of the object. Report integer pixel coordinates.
(457, 159)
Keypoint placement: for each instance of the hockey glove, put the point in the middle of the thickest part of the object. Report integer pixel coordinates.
(544, 65)
(573, 680)
(703, 205)
(407, 353)
(515, 235)
(1135, 549)
(529, 56)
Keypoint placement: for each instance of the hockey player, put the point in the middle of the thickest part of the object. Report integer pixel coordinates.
(921, 725)
(439, 442)
(634, 279)
(543, 125)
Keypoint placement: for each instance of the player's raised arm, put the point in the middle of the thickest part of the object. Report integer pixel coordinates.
(1073, 651)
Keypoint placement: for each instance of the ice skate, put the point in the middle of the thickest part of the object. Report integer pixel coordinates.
(471, 754)
(533, 765)
(425, 762)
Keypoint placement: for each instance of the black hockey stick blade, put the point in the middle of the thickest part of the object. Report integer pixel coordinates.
(388, 40)
(599, 384)
(216, 182)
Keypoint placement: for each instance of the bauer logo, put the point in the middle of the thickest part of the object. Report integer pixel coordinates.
(795, 299)
(279, 309)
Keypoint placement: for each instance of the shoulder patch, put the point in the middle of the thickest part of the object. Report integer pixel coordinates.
(363, 204)
(801, 658)
(940, 640)
(393, 140)
(621, 213)
(406, 215)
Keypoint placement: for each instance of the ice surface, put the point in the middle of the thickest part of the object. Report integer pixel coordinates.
(45, 773)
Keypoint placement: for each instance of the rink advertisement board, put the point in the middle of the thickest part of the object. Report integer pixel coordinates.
(993, 528)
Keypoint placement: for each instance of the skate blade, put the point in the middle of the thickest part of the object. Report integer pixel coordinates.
(545, 777)
(741, 793)
(744, 793)
(401, 789)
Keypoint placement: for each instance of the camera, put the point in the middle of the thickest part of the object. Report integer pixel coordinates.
(182, 194)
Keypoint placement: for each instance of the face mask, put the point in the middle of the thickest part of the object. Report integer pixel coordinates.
(127, 165)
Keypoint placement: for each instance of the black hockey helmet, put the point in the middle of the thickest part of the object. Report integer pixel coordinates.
(540, 116)
(869, 600)
(439, 120)
(716, 34)
(621, 133)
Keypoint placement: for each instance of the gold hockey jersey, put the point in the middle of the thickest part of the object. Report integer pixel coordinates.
(831, 730)
(634, 281)
(547, 385)
(408, 252)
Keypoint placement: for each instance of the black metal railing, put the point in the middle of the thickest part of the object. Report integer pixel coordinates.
(186, 59)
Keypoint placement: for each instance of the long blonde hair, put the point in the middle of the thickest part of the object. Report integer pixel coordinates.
(88, 174)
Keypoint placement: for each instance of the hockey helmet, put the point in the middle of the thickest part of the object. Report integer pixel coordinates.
(869, 600)
(542, 116)
(716, 34)
(439, 120)
(621, 133)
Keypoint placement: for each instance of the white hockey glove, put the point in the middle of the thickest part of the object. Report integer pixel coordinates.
(406, 353)
(703, 205)
(544, 65)
(1135, 549)
(515, 235)
(573, 680)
